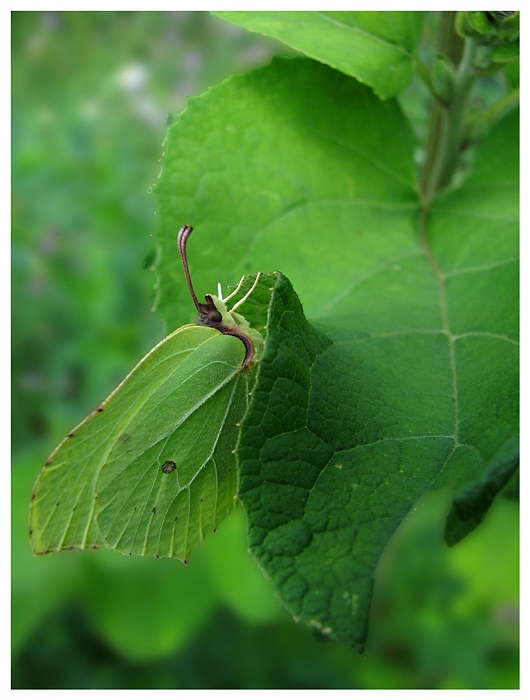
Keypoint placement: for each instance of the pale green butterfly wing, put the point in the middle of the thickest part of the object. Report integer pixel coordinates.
(170, 478)
(181, 404)
(153, 469)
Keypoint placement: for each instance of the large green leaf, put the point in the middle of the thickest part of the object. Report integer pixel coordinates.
(374, 47)
(474, 240)
(274, 177)
(406, 377)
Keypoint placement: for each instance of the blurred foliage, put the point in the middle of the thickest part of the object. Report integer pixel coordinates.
(91, 94)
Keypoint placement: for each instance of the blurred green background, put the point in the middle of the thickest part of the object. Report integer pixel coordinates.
(91, 94)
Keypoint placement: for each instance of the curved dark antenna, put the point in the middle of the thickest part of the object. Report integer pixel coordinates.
(208, 313)
(182, 238)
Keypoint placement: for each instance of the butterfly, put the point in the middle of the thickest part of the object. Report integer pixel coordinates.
(153, 469)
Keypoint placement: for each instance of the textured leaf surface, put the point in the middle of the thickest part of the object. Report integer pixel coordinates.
(153, 469)
(374, 47)
(406, 379)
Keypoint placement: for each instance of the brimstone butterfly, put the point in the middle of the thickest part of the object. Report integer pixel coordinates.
(153, 469)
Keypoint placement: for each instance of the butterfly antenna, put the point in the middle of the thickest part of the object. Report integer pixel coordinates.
(182, 238)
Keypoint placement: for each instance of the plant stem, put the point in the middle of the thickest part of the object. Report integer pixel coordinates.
(446, 128)
(454, 122)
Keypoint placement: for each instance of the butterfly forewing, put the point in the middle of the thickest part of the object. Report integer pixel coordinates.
(132, 434)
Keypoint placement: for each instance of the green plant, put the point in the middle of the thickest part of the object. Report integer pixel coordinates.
(391, 353)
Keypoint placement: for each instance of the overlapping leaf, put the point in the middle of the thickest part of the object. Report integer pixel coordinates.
(374, 47)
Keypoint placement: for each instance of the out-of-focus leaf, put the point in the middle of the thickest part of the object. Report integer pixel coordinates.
(374, 47)
(146, 608)
(36, 588)
(505, 53)
(234, 574)
(495, 578)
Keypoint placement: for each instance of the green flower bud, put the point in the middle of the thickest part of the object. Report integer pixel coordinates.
(443, 77)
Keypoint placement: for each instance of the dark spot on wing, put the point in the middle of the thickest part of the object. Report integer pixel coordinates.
(99, 409)
(71, 434)
(153, 510)
(168, 466)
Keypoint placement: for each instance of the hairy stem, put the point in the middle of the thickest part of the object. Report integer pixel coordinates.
(454, 121)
